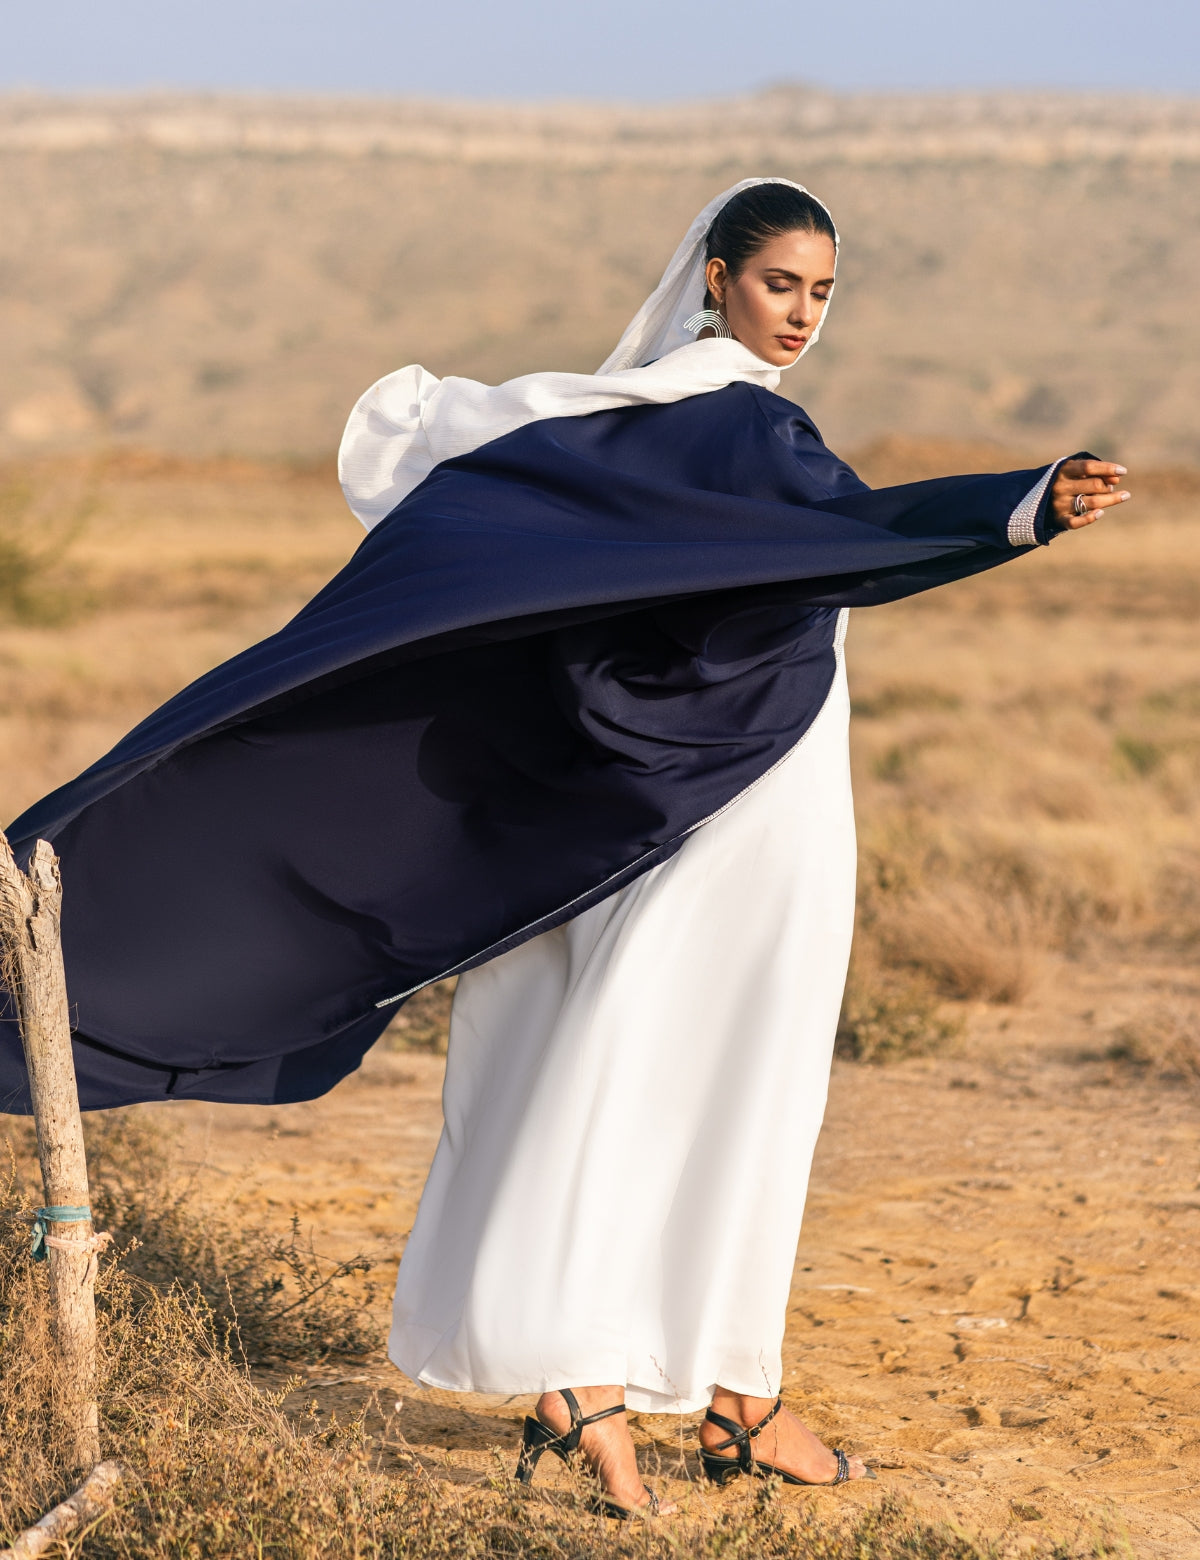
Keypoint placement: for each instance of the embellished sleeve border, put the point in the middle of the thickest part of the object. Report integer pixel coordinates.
(1022, 523)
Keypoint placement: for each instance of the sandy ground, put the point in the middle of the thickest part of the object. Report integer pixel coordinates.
(995, 1296)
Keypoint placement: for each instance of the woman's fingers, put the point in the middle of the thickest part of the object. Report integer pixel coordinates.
(1093, 504)
(1078, 470)
(1083, 489)
(1095, 485)
(1104, 500)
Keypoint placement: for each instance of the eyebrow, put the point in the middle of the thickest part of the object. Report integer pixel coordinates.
(778, 270)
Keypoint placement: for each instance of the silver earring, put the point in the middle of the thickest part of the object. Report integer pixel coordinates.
(709, 319)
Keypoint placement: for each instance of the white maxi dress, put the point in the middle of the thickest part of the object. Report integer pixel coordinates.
(631, 1106)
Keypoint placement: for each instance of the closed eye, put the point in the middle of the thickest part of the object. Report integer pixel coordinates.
(821, 297)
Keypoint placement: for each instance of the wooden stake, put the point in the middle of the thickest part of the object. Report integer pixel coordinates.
(30, 909)
(91, 1500)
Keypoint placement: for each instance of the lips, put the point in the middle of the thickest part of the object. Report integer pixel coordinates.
(791, 343)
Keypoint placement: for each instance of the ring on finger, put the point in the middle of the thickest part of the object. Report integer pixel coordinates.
(1081, 504)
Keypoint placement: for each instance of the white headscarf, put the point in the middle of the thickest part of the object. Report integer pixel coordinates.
(409, 421)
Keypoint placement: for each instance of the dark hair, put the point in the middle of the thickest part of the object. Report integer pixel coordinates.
(749, 221)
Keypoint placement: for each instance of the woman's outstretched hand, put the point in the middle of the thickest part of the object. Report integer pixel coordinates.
(1093, 481)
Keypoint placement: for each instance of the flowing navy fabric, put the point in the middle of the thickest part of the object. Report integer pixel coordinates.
(553, 660)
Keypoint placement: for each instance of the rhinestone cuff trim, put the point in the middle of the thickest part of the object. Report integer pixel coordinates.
(1022, 523)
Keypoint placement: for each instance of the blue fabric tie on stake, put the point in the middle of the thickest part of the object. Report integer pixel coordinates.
(59, 1214)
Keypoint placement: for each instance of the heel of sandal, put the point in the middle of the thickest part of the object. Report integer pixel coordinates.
(536, 1438)
(719, 1470)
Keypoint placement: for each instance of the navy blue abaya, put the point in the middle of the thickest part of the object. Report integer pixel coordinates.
(554, 659)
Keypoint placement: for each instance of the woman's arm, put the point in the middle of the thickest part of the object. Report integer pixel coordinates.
(1047, 505)
(991, 518)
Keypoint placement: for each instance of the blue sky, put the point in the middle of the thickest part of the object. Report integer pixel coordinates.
(638, 49)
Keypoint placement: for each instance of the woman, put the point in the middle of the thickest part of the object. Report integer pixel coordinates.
(571, 723)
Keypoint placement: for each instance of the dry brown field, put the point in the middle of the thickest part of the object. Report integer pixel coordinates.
(996, 1292)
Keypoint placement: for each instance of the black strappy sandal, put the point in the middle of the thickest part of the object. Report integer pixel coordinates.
(719, 1470)
(538, 1438)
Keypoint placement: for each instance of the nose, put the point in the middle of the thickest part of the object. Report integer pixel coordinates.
(806, 310)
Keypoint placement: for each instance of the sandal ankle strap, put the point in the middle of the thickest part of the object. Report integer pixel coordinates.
(741, 1435)
(579, 1422)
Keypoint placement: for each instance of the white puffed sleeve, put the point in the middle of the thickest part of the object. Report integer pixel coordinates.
(385, 452)
(409, 422)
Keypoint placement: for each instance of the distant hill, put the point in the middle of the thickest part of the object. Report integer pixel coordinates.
(227, 274)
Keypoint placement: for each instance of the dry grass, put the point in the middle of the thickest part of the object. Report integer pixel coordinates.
(1164, 1039)
(220, 1470)
(971, 945)
(176, 1406)
(39, 522)
(888, 1015)
(264, 1294)
(268, 1295)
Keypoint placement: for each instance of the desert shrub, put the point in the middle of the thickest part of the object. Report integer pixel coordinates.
(901, 698)
(1057, 888)
(1163, 1039)
(266, 1293)
(1139, 754)
(967, 944)
(1181, 699)
(423, 1023)
(1178, 896)
(32, 545)
(217, 1468)
(977, 911)
(968, 923)
(18, 569)
(887, 1016)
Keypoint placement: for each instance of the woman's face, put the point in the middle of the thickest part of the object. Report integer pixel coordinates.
(774, 306)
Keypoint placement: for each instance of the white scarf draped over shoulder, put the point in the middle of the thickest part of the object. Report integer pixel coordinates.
(410, 421)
